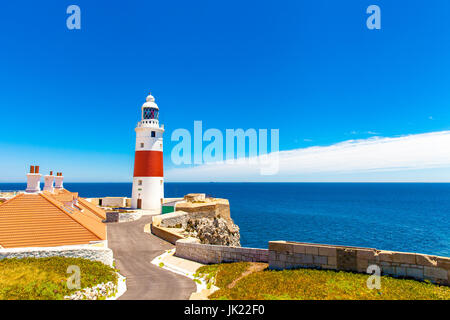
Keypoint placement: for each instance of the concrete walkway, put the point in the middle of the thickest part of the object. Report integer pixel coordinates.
(134, 250)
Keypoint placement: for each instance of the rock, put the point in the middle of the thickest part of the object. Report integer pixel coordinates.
(102, 290)
(217, 231)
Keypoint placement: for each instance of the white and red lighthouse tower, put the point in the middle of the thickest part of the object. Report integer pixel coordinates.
(148, 178)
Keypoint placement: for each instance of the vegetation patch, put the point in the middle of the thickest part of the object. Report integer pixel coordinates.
(46, 278)
(222, 274)
(310, 284)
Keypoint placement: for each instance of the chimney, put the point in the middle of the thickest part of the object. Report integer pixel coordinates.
(59, 181)
(48, 182)
(33, 180)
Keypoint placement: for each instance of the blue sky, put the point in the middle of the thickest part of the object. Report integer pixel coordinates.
(70, 99)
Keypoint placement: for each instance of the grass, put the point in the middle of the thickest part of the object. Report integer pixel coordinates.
(46, 278)
(310, 284)
(222, 274)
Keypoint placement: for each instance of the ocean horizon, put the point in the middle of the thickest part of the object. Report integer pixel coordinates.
(409, 217)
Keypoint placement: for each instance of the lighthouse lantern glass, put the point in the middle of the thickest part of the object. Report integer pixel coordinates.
(150, 113)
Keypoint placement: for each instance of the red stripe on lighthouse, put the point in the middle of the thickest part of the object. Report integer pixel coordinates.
(148, 164)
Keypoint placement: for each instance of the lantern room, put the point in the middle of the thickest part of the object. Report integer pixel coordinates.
(150, 110)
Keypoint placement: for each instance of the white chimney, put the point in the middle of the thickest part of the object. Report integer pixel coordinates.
(48, 182)
(33, 180)
(59, 181)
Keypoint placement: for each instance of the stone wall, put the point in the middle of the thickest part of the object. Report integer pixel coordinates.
(180, 218)
(104, 255)
(129, 216)
(114, 202)
(112, 216)
(212, 207)
(210, 254)
(165, 234)
(111, 201)
(126, 216)
(172, 219)
(290, 255)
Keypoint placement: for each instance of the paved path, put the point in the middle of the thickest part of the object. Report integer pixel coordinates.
(134, 250)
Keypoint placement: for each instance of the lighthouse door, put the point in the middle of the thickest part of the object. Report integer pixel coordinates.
(139, 203)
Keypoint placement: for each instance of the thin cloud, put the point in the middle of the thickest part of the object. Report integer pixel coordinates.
(389, 157)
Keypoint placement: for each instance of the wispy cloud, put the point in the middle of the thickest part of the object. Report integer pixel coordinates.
(354, 132)
(364, 159)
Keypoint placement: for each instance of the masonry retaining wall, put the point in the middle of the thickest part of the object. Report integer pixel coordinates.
(104, 255)
(165, 234)
(129, 216)
(176, 218)
(206, 253)
(290, 255)
(112, 216)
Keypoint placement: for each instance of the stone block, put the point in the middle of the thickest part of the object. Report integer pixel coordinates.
(366, 254)
(298, 248)
(400, 271)
(414, 273)
(426, 260)
(307, 258)
(385, 256)
(332, 261)
(404, 257)
(434, 272)
(314, 250)
(319, 260)
(443, 262)
(280, 246)
(361, 265)
(346, 259)
(388, 270)
(290, 259)
(327, 251)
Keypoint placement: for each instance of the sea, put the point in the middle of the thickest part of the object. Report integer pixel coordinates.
(408, 217)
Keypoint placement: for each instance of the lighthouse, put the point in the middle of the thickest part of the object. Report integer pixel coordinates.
(148, 177)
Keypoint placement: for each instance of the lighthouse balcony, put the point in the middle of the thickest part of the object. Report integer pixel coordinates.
(150, 124)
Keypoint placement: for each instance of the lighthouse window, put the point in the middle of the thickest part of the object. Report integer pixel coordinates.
(150, 113)
(153, 134)
(139, 182)
(142, 145)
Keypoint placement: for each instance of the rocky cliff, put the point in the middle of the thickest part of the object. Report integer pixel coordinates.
(207, 219)
(214, 231)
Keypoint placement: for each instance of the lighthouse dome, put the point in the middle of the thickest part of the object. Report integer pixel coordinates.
(150, 102)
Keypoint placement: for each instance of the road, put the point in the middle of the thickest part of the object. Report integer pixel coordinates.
(134, 250)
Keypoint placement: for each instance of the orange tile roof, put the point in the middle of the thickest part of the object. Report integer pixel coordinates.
(64, 195)
(40, 220)
(99, 212)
